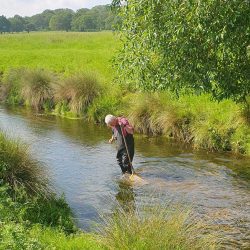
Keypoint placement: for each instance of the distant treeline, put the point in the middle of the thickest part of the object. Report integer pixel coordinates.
(98, 18)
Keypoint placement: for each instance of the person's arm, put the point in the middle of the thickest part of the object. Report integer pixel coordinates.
(113, 136)
(112, 139)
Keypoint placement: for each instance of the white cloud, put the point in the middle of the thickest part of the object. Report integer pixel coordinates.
(30, 7)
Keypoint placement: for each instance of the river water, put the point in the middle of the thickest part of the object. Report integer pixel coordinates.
(82, 166)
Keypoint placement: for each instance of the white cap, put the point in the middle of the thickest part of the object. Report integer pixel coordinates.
(109, 119)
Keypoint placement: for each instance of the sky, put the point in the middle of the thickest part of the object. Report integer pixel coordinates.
(30, 7)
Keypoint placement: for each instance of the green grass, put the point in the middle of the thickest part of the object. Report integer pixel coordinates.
(156, 228)
(32, 220)
(76, 93)
(25, 194)
(197, 120)
(18, 169)
(57, 239)
(60, 51)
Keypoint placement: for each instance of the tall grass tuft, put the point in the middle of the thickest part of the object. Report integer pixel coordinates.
(32, 87)
(110, 102)
(159, 228)
(18, 169)
(196, 120)
(153, 113)
(37, 88)
(10, 87)
(78, 92)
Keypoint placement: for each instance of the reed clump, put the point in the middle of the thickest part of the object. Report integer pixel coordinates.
(158, 114)
(157, 228)
(196, 120)
(11, 86)
(30, 87)
(77, 92)
(19, 169)
(37, 88)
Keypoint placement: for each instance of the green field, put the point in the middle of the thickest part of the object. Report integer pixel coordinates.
(197, 120)
(59, 51)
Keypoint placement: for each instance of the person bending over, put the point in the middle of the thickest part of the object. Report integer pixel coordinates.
(120, 126)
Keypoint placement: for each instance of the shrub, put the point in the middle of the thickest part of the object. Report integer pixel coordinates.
(102, 106)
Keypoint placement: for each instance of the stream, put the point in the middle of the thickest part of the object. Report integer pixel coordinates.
(81, 165)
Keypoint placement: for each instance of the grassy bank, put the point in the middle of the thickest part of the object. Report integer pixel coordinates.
(70, 74)
(193, 119)
(32, 217)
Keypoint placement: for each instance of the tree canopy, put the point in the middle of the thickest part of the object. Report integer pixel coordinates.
(98, 18)
(61, 20)
(4, 24)
(186, 44)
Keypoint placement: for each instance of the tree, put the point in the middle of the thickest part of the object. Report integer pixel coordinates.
(89, 22)
(113, 21)
(41, 21)
(100, 14)
(186, 44)
(61, 20)
(4, 24)
(77, 23)
(17, 23)
(29, 27)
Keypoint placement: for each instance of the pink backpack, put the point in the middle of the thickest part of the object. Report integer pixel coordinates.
(123, 121)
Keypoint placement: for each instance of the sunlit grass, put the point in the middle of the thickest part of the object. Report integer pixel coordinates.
(155, 228)
(18, 168)
(77, 92)
(197, 120)
(37, 88)
(60, 51)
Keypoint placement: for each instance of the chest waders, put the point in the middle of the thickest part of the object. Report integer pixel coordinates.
(126, 146)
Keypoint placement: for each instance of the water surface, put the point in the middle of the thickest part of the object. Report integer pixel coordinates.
(81, 164)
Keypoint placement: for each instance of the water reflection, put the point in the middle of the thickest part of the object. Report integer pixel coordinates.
(126, 196)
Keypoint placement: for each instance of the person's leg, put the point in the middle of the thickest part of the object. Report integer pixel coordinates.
(126, 162)
(120, 160)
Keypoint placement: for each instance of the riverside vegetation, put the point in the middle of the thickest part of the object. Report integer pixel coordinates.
(69, 75)
(32, 217)
(195, 120)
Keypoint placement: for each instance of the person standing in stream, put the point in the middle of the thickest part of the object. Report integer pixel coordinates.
(120, 126)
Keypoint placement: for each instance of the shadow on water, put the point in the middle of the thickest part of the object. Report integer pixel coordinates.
(82, 165)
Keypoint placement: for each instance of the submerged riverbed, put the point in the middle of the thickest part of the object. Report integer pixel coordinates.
(81, 164)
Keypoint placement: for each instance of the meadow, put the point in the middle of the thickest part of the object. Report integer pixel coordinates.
(64, 52)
